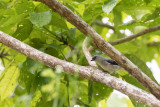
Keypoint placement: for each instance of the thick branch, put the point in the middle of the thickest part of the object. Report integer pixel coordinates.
(84, 72)
(104, 46)
(128, 38)
(100, 23)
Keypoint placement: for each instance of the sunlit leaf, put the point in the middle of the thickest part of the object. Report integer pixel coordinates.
(108, 7)
(8, 81)
(36, 98)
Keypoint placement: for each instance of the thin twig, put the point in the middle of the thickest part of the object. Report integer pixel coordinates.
(100, 23)
(154, 44)
(87, 53)
(128, 38)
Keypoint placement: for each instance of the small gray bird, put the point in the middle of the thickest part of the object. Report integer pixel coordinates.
(107, 64)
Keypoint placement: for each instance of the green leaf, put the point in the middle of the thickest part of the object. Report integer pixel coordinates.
(91, 13)
(24, 7)
(8, 24)
(132, 81)
(58, 21)
(8, 81)
(41, 8)
(69, 35)
(19, 58)
(101, 91)
(147, 1)
(127, 47)
(3, 5)
(143, 51)
(7, 102)
(83, 94)
(19, 90)
(151, 16)
(23, 31)
(33, 66)
(141, 64)
(40, 19)
(137, 103)
(12, 20)
(7, 12)
(29, 75)
(90, 91)
(108, 7)
(36, 98)
(117, 17)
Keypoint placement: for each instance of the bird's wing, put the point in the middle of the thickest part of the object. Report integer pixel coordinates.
(111, 61)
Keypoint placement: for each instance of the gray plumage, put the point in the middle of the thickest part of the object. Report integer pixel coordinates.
(106, 63)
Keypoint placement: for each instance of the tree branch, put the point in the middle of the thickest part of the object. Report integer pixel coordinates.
(84, 72)
(153, 44)
(128, 38)
(87, 53)
(104, 46)
(100, 23)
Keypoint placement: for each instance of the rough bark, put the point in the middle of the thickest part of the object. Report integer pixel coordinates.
(84, 72)
(104, 46)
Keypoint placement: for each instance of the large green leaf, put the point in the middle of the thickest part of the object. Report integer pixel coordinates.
(141, 64)
(40, 19)
(24, 7)
(12, 20)
(101, 91)
(23, 31)
(8, 81)
(127, 47)
(8, 24)
(108, 7)
(128, 78)
(58, 21)
(90, 13)
(36, 98)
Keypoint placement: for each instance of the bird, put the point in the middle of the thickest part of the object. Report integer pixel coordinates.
(106, 63)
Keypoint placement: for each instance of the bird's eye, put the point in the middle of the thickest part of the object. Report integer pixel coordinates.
(94, 57)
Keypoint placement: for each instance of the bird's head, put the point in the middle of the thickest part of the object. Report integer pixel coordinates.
(97, 58)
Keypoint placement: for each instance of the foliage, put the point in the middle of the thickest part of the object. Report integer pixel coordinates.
(25, 82)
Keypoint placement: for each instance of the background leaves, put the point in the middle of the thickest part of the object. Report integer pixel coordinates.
(25, 82)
